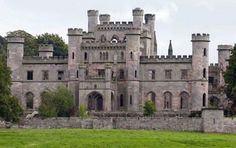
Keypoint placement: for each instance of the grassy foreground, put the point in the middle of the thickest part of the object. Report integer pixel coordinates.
(111, 138)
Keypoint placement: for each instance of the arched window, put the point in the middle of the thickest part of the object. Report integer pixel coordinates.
(184, 98)
(167, 100)
(122, 74)
(131, 55)
(106, 55)
(114, 39)
(122, 55)
(151, 96)
(85, 56)
(204, 100)
(204, 52)
(121, 100)
(73, 55)
(29, 100)
(124, 39)
(204, 73)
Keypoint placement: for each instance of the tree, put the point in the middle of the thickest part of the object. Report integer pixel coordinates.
(56, 103)
(30, 46)
(60, 47)
(10, 110)
(149, 108)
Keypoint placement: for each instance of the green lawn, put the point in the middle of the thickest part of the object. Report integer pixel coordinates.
(111, 138)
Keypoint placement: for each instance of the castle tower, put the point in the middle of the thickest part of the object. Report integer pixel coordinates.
(104, 18)
(138, 18)
(15, 49)
(200, 48)
(223, 57)
(92, 20)
(132, 68)
(74, 53)
(150, 21)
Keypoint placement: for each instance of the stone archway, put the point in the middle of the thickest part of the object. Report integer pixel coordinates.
(184, 100)
(151, 96)
(95, 101)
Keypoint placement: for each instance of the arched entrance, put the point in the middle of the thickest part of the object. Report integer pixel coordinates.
(184, 99)
(151, 96)
(95, 101)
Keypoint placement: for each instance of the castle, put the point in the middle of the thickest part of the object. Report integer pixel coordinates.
(115, 67)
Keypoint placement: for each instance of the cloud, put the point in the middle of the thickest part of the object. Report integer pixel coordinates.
(167, 12)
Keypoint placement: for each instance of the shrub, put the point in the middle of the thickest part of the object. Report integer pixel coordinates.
(149, 108)
(56, 103)
(83, 111)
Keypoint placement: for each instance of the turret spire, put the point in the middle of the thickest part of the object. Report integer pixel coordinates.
(170, 49)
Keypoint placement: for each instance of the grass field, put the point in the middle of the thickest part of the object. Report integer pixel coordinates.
(111, 138)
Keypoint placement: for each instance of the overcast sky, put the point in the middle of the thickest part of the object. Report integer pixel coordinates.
(176, 20)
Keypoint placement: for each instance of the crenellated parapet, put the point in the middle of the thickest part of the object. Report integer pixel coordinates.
(133, 31)
(45, 48)
(213, 67)
(88, 35)
(114, 26)
(45, 60)
(224, 47)
(75, 32)
(92, 12)
(166, 59)
(15, 38)
(101, 46)
(200, 37)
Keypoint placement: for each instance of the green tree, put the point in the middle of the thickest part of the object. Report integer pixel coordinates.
(3, 45)
(10, 109)
(149, 108)
(30, 46)
(56, 103)
(60, 47)
(230, 76)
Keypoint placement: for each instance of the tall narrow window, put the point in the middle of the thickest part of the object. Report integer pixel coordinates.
(106, 55)
(85, 56)
(122, 74)
(121, 100)
(184, 74)
(204, 100)
(135, 73)
(204, 73)
(130, 100)
(100, 55)
(73, 55)
(204, 52)
(151, 74)
(30, 75)
(77, 74)
(168, 74)
(122, 55)
(131, 55)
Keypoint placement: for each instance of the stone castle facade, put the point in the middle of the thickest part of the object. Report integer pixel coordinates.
(115, 67)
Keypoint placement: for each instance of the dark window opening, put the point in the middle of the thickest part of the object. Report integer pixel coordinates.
(168, 74)
(211, 80)
(131, 100)
(204, 73)
(122, 74)
(204, 52)
(121, 100)
(45, 75)
(85, 56)
(135, 73)
(77, 74)
(204, 100)
(131, 55)
(122, 55)
(73, 55)
(30, 75)
(60, 75)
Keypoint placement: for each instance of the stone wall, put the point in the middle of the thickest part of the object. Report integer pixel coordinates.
(156, 123)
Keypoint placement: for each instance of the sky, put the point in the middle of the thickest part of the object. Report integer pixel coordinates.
(176, 20)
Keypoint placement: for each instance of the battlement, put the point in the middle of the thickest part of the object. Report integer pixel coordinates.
(166, 59)
(75, 32)
(115, 26)
(15, 39)
(88, 35)
(104, 18)
(138, 12)
(213, 67)
(107, 45)
(45, 48)
(92, 12)
(45, 60)
(200, 37)
(225, 47)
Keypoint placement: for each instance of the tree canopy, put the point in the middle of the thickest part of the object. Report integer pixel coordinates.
(10, 109)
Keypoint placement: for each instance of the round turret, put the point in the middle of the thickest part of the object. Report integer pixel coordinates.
(138, 18)
(149, 18)
(92, 20)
